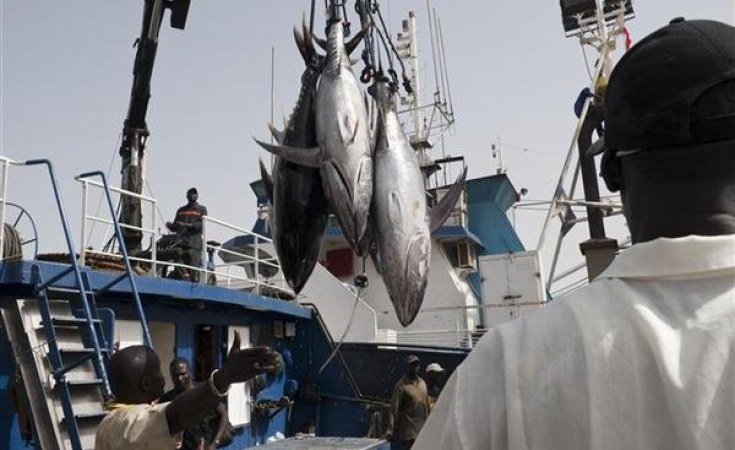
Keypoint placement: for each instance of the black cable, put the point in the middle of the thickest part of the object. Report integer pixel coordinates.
(311, 17)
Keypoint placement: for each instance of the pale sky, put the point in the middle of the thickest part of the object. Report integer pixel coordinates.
(67, 71)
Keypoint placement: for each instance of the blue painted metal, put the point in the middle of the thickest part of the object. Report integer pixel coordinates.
(489, 198)
(40, 289)
(14, 275)
(121, 245)
(457, 232)
(59, 370)
(10, 432)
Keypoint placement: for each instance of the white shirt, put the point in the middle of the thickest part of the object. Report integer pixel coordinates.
(642, 358)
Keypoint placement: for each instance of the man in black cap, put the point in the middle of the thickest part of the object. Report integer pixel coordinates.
(643, 357)
(137, 421)
(409, 405)
(188, 225)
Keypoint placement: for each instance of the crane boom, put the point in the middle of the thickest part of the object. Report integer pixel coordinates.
(135, 130)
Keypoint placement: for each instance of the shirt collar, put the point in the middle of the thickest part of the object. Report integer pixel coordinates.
(687, 257)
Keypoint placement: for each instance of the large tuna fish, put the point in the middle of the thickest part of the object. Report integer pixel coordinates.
(298, 215)
(401, 224)
(344, 152)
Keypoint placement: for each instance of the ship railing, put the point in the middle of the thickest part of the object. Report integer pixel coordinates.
(253, 269)
(150, 232)
(262, 269)
(450, 337)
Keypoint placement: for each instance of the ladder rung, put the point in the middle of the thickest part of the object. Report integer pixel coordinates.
(83, 383)
(80, 351)
(87, 415)
(70, 321)
(65, 290)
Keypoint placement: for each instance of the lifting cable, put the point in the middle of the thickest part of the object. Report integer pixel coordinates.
(361, 283)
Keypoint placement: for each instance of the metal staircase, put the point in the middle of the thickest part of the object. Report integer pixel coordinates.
(59, 341)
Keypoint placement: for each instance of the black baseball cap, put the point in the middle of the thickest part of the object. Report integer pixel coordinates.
(192, 191)
(412, 359)
(654, 86)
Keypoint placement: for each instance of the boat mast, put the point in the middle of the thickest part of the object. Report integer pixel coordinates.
(597, 25)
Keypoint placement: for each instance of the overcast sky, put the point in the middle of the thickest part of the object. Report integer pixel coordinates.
(67, 71)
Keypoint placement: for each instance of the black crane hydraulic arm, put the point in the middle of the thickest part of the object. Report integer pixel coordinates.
(135, 130)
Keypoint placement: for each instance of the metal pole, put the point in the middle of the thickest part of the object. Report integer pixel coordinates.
(257, 266)
(3, 200)
(154, 235)
(203, 252)
(83, 238)
(417, 115)
(570, 154)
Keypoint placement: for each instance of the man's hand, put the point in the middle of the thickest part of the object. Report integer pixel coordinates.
(243, 364)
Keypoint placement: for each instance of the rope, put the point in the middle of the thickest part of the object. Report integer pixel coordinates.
(12, 245)
(361, 283)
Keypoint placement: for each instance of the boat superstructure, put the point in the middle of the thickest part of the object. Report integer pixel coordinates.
(62, 318)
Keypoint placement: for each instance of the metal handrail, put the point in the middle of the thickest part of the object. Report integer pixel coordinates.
(128, 269)
(152, 231)
(75, 268)
(222, 270)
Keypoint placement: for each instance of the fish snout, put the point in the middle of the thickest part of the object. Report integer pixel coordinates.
(414, 278)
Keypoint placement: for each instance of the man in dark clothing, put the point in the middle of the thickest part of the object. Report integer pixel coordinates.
(409, 405)
(137, 420)
(212, 427)
(188, 225)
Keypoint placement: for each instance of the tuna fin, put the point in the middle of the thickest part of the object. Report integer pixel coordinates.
(277, 135)
(267, 181)
(441, 211)
(352, 44)
(347, 131)
(309, 157)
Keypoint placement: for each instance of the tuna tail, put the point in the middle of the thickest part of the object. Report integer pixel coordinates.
(309, 157)
(322, 43)
(267, 181)
(350, 45)
(441, 211)
(305, 43)
(301, 43)
(355, 41)
(316, 60)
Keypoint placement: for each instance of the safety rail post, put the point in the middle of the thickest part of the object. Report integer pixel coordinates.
(99, 363)
(83, 233)
(3, 200)
(256, 240)
(128, 269)
(154, 250)
(204, 260)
